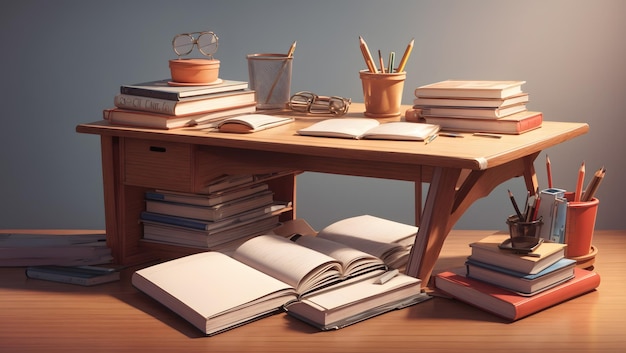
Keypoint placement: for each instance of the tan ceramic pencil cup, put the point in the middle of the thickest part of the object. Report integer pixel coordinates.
(382, 93)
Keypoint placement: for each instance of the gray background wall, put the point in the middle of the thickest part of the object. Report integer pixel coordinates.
(63, 61)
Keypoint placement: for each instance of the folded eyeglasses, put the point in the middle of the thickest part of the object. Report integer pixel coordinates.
(311, 103)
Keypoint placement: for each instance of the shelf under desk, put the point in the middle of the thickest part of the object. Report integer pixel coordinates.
(459, 171)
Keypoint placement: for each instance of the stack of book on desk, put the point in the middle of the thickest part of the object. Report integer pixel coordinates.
(232, 208)
(476, 106)
(65, 249)
(163, 104)
(514, 285)
(329, 281)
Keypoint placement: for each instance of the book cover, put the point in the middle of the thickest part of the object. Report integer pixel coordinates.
(163, 90)
(211, 213)
(470, 89)
(347, 305)
(422, 102)
(215, 239)
(487, 250)
(182, 107)
(252, 122)
(137, 118)
(80, 275)
(514, 124)
(510, 305)
(190, 223)
(206, 199)
(523, 283)
(473, 112)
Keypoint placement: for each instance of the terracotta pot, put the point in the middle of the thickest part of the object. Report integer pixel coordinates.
(195, 70)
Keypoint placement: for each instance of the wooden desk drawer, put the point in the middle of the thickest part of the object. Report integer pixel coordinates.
(157, 164)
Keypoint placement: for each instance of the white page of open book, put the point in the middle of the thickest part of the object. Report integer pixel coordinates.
(286, 260)
(211, 282)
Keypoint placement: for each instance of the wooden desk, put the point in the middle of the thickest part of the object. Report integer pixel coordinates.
(459, 171)
(42, 316)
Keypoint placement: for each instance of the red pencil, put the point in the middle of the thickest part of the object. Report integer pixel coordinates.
(549, 170)
(579, 184)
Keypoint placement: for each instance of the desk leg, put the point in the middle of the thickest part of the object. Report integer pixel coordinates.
(111, 189)
(434, 223)
(445, 204)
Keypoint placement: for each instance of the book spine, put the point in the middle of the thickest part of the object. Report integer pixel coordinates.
(173, 220)
(134, 91)
(530, 124)
(153, 105)
(62, 278)
(583, 282)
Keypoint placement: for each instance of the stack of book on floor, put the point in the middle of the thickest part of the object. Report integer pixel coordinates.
(476, 106)
(329, 281)
(163, 104)
(515, 285)
(68, 248)
(231, 209)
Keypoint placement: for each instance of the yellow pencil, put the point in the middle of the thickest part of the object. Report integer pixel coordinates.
(291, 49)
(367, 56)
(406, 55)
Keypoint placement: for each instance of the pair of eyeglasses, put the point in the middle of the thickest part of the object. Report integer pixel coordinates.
(206, 41)
(311, 103)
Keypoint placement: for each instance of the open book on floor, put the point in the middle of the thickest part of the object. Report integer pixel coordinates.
(220, 291)
(383, 238)
(347, 305)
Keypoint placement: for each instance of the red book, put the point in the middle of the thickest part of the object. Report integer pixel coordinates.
(513, 124)
(510, 305)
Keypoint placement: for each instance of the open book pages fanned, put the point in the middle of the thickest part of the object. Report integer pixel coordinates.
(386, 239)
(367, 128)
(252, 122)
(222, 290)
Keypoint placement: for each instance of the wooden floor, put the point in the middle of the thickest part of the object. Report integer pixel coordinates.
(41, 316)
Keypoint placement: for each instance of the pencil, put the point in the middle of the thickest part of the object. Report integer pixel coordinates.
(593, 185)
(382, 64)
(549, 171)
(392, 58)
(579, 183)
(406, 55)
(367, 56)
(520, 217)
(291, 49)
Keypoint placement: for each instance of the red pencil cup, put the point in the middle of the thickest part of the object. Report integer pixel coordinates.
(580, 221)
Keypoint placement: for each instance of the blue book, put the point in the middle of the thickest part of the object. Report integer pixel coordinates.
(522, 283)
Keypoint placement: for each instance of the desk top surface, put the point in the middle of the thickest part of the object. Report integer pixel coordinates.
(42, 316)
(469, 152)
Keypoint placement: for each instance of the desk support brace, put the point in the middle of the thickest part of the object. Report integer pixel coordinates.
(445, 204)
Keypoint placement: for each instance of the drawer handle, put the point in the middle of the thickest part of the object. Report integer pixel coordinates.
(157, 149)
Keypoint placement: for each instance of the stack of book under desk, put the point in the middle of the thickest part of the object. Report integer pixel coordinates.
(164, 104)
(226, 212)
(497, 107)
(514, 285)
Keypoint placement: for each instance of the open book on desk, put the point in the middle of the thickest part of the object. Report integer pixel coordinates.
(367, 128)
(220, 291)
